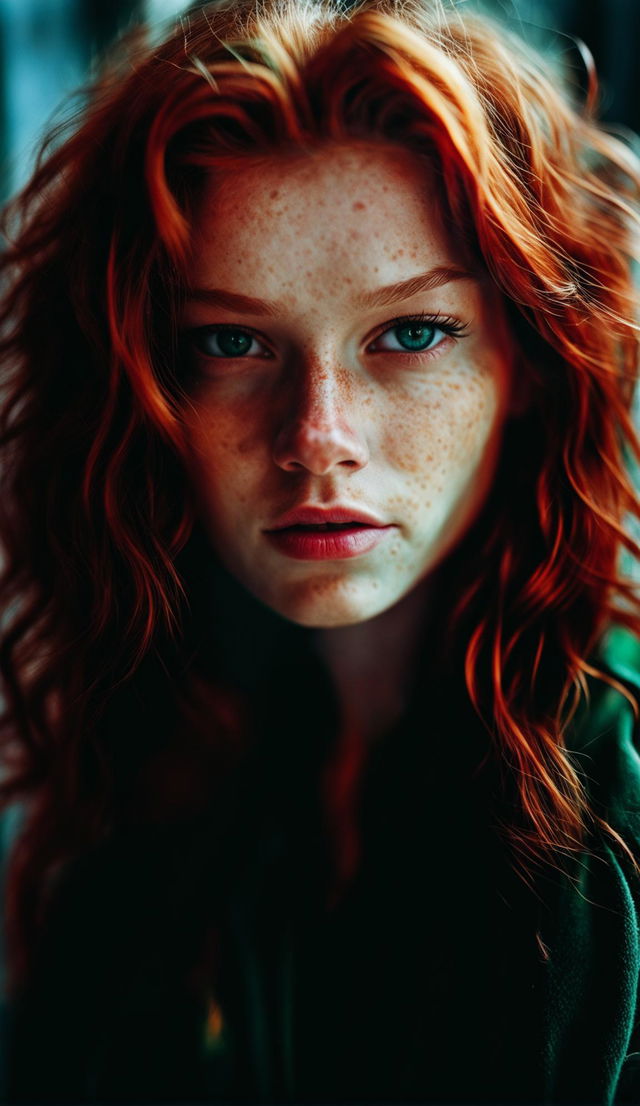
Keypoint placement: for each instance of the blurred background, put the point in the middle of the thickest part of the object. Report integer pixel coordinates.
(48, 47)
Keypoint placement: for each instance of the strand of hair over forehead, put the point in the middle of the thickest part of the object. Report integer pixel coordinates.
(418, 62)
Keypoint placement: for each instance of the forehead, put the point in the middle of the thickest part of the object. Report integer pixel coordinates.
(379, 165)
(340, 206)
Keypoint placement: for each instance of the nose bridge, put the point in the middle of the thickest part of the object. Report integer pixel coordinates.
(323, 389)
(320, 425)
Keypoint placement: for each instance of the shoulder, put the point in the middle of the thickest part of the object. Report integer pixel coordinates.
(594, 966)
(604, 736)
(611, 700)
(619, 653)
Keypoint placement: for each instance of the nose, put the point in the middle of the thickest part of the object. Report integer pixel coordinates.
(320, 429)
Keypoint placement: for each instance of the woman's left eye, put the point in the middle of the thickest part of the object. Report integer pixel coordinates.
(415, 335)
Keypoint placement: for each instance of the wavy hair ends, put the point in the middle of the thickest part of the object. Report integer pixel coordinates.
(95, 505)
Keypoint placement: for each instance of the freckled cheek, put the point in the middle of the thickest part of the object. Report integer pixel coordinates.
(220, 465)
(426, 435)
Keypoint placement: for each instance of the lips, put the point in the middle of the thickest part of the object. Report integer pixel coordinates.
(326, 526)
(329, 533)
(325, 516)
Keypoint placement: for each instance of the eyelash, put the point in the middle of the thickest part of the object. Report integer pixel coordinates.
(449, 326)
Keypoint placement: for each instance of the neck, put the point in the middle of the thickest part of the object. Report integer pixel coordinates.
(372, 663)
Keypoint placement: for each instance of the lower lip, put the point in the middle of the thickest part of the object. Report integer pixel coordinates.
(327, 545)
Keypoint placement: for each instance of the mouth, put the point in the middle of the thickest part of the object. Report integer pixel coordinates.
(325, 527)
(326, 541)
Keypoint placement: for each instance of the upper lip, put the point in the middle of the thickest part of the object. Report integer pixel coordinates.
(317, 516)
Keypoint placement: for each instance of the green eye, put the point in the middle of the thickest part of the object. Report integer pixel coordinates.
(217, 341)
(413, 336)
(417, 334)
(234, 343)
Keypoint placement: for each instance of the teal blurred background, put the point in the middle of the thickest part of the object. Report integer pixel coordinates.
(47, 48)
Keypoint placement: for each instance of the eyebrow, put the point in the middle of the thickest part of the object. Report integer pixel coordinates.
(379, 297)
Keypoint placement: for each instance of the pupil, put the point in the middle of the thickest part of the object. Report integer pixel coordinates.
(233, 342)
(414, 337)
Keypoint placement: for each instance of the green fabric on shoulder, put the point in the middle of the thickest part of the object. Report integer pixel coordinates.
(592, 1032)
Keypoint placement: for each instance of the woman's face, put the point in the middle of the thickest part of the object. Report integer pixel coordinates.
(351, 380)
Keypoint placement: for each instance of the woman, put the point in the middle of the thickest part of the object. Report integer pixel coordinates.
(320, 652)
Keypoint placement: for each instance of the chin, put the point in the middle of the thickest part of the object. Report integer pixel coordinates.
(330, 604)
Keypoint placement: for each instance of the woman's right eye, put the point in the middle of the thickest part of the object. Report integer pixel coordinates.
(227, 342)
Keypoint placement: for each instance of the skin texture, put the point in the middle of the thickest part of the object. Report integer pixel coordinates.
(324, 409)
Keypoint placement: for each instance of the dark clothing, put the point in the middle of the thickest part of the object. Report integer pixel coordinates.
(202, 963)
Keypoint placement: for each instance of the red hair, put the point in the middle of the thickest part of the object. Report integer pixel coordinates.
(95, 509)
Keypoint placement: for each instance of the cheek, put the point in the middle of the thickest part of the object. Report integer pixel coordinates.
(238, 419)
(440, 426)
(218, 464)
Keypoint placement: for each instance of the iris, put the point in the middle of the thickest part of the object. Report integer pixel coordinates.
(414, 337)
